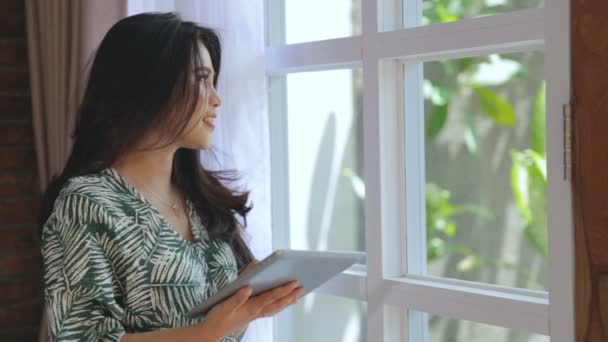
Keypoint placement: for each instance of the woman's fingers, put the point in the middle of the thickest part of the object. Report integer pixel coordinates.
(274, 294)
(237, 299)
(265, 304)
(280, 304)
(258, 304)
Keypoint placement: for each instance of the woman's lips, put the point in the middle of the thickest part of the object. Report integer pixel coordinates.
(209, 121)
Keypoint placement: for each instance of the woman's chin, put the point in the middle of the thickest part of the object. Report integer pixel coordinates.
(198, 145)
(204, 146)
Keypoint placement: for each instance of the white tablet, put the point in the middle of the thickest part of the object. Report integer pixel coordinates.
(312, 269)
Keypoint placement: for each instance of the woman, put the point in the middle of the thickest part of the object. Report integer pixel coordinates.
(135, 232)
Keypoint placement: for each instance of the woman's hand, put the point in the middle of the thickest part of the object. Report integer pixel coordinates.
(237, 311)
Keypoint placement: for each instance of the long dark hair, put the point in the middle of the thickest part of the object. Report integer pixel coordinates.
(140, 74)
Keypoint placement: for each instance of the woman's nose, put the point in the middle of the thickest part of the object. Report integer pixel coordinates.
(215, 99)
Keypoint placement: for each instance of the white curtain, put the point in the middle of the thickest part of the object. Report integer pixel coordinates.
(241, 139)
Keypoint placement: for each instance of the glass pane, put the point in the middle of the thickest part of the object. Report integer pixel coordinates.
(296, 21)
(444, 329)
(320, 317)
(485, 159)
(325, 152)
(441, 11)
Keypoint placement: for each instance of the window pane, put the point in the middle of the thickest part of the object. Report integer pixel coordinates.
(485, 168)
(320, 317)
(441, 11)
(444, 329)
(296, 21)
(325, 167)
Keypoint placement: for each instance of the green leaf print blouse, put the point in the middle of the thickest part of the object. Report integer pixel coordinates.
(114, 265)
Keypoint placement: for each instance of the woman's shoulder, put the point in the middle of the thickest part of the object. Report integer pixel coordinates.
(85, 184)
(98, 199)
(90, 192)
(97, 186)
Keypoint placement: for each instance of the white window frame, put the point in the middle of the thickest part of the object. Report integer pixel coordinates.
(385, 284)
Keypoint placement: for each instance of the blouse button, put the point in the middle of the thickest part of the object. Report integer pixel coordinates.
(142, 262)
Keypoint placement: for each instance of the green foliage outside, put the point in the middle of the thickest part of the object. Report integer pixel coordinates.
(467, 80)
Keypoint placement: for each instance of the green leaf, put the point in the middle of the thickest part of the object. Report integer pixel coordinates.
(435, 249)
(356, 182)
(466, 3)
(440, 223)
(450, 230)
(539, 163)
(539, 122)
(444, 15)
(436, 94)
(449, 68)
(470, 135)
(436, 121)
(529, 186)
(496, 107)
(464, 63)
(519, 185)
(536, 232)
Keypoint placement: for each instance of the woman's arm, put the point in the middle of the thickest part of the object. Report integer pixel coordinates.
(199, 333)
(228, 316)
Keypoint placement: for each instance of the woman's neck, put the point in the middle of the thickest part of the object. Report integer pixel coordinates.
(148, 169)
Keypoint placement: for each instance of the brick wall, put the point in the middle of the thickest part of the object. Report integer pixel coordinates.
(20, 285)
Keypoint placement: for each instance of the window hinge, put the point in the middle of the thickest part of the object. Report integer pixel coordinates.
(568, 141)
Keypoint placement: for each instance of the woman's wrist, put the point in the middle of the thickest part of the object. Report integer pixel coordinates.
(196, 333)
(207, 332)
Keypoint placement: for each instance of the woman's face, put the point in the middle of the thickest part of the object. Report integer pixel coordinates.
(197, 134)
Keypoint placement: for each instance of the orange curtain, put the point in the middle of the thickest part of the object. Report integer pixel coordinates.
(62, 36)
